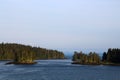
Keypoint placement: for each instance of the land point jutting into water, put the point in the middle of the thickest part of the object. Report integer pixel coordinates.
(111, 57)
(25, 54)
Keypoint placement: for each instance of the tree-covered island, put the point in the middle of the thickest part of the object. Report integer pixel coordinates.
(82, 58)
(25, 54)
(111, 57)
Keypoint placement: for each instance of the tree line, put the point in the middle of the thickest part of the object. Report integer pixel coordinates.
(23, 53)
(82, 58)
(109, 57)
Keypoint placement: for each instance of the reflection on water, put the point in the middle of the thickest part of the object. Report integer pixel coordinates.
(58, 70)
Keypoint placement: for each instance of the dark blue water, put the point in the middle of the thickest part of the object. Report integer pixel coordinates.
(58, 70)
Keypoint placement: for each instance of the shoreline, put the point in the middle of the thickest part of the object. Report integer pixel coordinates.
(20, 63)
(93, 64)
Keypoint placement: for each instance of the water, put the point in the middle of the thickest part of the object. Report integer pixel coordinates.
(58, 70)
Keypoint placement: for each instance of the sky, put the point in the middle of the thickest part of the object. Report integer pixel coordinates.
(65, 25)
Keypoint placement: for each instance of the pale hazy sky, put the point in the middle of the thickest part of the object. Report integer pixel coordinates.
(67, 25)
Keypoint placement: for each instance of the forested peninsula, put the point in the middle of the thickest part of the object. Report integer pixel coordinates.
(111, 57)
(25, 54)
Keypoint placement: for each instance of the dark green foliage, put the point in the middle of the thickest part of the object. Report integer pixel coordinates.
(104, 57)
(75, 56)
(25, 56)
(91, 58)
(21, 53)
(112, 56)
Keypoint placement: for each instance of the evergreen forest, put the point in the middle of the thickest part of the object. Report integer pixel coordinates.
(111, 57)
(25, 53)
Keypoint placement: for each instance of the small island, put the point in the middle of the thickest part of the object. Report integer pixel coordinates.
(111, 57)
(86, 59)
(25, 57)
(25, 54)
